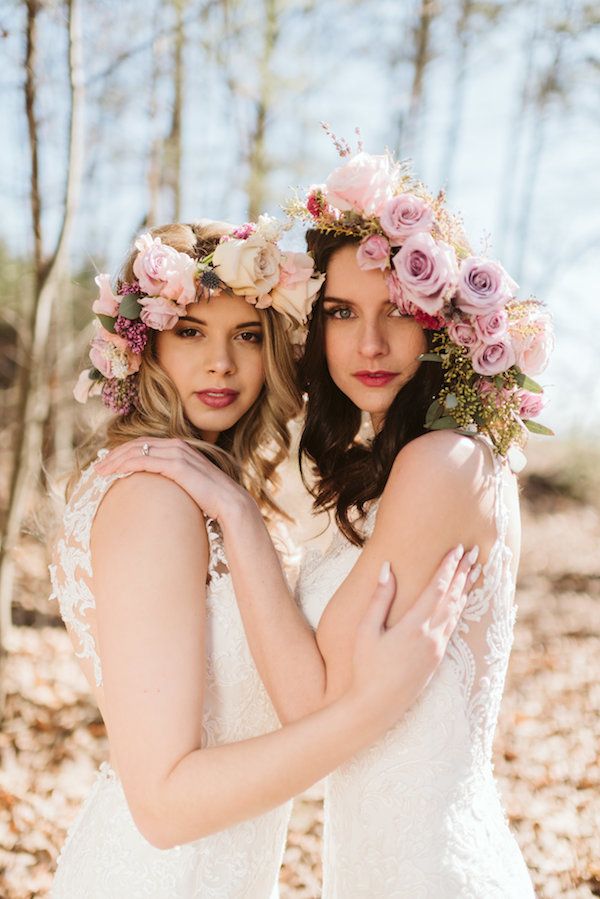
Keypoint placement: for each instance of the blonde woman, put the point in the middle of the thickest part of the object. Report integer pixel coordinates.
(193, 354)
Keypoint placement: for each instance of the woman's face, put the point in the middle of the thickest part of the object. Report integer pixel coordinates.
(371, 348)
(214, 357)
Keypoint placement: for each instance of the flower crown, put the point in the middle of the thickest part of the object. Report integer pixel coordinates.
(488, 342)
(248, 262)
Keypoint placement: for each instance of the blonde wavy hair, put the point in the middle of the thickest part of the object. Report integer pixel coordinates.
(253, 448)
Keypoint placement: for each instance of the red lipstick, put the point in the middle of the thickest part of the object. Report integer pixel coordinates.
(217, 398)
(375, 378)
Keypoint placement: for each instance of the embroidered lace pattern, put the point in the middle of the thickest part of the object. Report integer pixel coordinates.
(105, 856)
(418, 815)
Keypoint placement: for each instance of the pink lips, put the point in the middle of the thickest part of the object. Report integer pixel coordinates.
(217, 398)
(375, 378)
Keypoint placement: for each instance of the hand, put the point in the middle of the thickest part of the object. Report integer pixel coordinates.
(210, 488)
(393, 665)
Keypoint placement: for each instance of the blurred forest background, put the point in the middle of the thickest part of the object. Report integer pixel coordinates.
(118, 116)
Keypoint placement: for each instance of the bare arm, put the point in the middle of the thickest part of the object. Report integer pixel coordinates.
(285, 649)
(150, 557)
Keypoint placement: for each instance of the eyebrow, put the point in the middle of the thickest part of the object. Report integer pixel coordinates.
(199, 321)
(350, 302)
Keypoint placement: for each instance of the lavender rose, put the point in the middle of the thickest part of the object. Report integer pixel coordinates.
(373, 252)
(491, 327)
(483, 286)
(493, 358)
(405, 215)
(427, 271)
(463, 334)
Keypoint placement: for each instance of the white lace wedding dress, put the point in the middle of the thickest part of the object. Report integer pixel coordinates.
(105, 856)
(418, 815)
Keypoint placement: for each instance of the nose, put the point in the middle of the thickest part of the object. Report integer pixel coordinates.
(372, 341)
(219, 359)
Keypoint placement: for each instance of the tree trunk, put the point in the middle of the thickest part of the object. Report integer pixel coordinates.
(34, 393)
(458, 94)
(257, 157)
(173, 142)
(409, 123)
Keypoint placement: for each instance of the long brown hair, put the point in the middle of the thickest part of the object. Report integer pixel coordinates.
(252, 449)
(348, 472)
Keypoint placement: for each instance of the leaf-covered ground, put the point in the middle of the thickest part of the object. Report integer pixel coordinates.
(546, 751)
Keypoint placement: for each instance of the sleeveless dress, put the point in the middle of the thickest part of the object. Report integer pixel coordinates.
(105, 856)
(417, 815)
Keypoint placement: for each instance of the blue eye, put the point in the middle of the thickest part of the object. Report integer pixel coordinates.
(340, 312)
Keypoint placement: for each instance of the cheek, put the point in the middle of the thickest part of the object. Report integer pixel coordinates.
(336, 349)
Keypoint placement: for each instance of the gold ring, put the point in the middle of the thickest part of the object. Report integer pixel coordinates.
(145, 449)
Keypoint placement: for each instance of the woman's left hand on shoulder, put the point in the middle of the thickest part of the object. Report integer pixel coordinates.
(210, 488)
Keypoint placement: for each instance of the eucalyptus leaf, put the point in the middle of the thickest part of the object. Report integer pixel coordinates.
(434, 411)
(528, 383)
(107, 322)
(441, 424)
(429, 357)
(499, 382)
(537, 428)
(129, 307)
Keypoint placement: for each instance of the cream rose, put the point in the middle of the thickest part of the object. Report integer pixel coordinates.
(296, 300)
(249, 268)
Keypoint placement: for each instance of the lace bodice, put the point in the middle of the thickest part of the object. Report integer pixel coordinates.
(418, 814)
(105, 857)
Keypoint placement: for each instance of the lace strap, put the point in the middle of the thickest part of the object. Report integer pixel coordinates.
(217, 560)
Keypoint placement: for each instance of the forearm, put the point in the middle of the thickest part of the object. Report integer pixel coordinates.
(212, 789)
(282, 642)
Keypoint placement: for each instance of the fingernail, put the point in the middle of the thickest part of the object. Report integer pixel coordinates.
(384, 573)
(475, 574)
(459, 551)
(472, 557)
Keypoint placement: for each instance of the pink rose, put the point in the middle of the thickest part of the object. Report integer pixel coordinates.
(483, 286)
(530, 404)
(405, 215)
(162, 271)
(396, 295)
(110, 355)
(534, 342)
(427, 270)
(296, 268)
(489, 328)
(463, 334)
(373, 252)
(492, 358)
(107, 303)
(363, 184)
(160, 314)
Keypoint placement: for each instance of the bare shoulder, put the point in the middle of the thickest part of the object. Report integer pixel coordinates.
(145, 504)
(441, 463)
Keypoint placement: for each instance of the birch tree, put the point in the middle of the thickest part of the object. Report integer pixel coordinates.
(33, 389)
